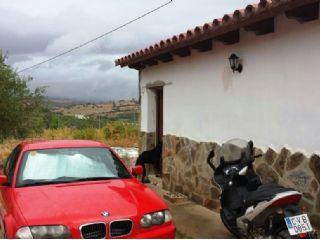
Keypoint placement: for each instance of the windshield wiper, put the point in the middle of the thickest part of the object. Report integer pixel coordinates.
(94, 179)
(40, 183)
(60, 180)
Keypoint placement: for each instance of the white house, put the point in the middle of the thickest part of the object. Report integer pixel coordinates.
(193, 101)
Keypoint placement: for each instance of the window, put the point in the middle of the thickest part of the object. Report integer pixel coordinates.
(11, 163)
(69, 164)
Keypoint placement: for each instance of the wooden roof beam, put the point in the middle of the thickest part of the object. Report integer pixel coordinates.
(167, 57)
(138, 66)
(261, 28)
(229, 37)
(304, 13)
(203, 46)
(182, 52)
(150, 62)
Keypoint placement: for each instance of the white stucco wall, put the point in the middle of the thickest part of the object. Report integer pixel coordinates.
(275, 101)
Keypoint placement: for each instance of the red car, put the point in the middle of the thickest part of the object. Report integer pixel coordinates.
(77, 189)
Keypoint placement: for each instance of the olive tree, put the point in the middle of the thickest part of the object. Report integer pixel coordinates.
(21, 109)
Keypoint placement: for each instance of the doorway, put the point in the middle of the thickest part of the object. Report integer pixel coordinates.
(159, 122)
(159, 115)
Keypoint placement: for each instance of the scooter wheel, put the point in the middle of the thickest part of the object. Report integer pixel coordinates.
(283, 234)
(225, 223)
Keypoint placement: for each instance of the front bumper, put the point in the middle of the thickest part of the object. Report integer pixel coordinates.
(163, 232)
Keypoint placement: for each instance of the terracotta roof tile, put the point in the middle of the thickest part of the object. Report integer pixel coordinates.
(238, 18)
(206, 27)
(216, 22)
(238, 14)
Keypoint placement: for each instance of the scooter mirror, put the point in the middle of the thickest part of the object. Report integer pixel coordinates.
(251, 147)
(222, 162)
(243, 171)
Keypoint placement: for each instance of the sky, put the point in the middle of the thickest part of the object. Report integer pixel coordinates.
(35, 30)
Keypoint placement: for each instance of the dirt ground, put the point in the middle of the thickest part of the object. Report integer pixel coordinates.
(195, 221)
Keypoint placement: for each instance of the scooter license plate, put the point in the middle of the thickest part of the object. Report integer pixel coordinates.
(298, 224)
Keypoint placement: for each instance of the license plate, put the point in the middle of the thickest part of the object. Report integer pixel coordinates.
(298, 224)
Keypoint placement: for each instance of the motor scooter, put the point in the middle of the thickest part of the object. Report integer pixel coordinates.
(250, 209)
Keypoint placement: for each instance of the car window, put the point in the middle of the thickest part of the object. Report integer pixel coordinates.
(69, 164)
(11, 163)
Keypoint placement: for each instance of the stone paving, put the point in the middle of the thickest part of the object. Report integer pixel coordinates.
(193, 220)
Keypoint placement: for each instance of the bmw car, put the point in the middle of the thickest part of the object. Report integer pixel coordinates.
(77, 189)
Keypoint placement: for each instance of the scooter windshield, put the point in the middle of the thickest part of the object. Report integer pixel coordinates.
(229, 157)
(233, 149)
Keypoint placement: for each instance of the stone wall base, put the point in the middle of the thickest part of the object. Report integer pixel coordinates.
(185, 171)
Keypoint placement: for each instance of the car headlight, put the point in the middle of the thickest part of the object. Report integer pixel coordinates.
(38, 232)
(156, 218)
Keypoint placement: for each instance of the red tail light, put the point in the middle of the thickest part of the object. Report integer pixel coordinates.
(287, 200)
(303, 235)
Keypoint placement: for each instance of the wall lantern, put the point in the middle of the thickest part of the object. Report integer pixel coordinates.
(235, 63)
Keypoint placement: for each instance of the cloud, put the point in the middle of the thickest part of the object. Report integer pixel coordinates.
(22, 34)
(90, 78)
(14, 43)
(11, 60)
(35, 30)
(102, 65)
(83, 87)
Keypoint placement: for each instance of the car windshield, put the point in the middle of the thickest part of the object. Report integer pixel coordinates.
(63, 165)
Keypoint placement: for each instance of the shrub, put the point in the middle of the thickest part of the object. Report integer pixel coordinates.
(120, 130)
(55, 134)
(86, 134)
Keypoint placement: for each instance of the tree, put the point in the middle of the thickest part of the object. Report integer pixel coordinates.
(21, 110)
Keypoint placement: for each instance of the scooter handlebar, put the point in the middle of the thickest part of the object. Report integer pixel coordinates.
(212, 155)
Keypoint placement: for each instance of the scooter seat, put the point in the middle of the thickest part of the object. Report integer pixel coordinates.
(264, 193)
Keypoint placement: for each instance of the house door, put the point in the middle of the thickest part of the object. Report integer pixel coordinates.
(159, 102)
(159, 117)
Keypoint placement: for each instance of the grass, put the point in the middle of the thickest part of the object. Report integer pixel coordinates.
(6, 148)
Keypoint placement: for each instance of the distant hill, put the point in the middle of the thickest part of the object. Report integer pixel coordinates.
(113, 110)
(56, 103)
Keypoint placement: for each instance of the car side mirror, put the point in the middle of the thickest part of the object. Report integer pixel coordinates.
(137, 170)
(3, 179)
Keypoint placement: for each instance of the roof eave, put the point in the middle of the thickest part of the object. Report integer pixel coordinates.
(252, 14)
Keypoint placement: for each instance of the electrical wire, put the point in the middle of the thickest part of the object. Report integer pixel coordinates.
(97, 38)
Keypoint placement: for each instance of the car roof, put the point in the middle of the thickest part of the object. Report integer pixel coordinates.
(50, 144)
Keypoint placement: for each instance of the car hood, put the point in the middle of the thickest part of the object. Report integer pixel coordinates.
(84, 202)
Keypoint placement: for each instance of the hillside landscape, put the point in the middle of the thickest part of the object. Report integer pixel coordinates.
(123, 109)
(37, 117)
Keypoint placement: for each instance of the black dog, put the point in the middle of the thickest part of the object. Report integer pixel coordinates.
(152, 157)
